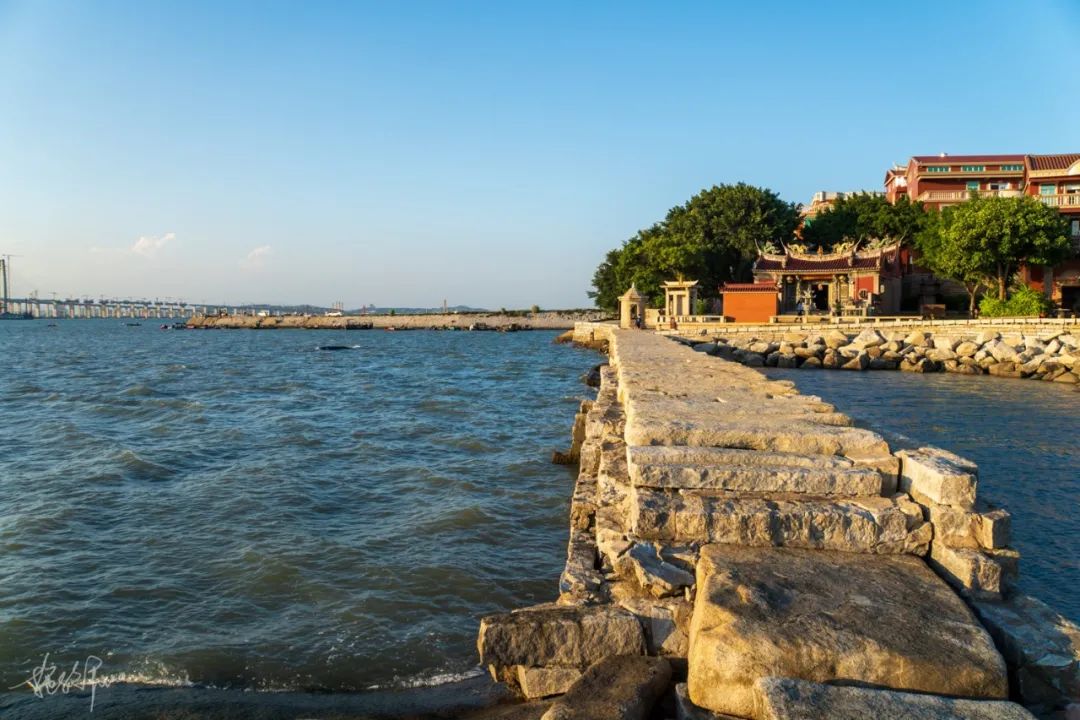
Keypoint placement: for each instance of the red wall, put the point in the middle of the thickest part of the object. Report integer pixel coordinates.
(750, 307)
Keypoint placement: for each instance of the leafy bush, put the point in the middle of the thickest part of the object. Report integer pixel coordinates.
(1024, 302)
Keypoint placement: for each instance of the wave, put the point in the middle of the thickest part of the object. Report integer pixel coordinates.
(141, 468)
(427, 680)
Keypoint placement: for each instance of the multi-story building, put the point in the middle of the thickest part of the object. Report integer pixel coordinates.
(938, 181)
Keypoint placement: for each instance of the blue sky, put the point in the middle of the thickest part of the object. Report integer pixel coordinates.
(401, 153)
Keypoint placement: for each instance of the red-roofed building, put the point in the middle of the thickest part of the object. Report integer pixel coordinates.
(1055, 180)
(941, 180)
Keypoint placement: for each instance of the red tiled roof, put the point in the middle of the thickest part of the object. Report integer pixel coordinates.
(749, 287)
(924, 159)
(826, 265)
(1054, 162)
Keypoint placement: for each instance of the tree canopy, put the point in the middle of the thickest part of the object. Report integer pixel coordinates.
(862, 216)
(712, 238)
(984, 240)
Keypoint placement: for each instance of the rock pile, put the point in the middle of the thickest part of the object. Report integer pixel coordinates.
(750, 537)
(1052, 356)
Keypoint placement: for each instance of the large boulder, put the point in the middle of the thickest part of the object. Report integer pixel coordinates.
(790, 699)
(615, 688)
(1041, 646)
(868, 338)
(877, 620)
(835, 339)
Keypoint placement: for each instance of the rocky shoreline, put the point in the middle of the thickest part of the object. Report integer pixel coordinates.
(740, 550)
(1051, 355)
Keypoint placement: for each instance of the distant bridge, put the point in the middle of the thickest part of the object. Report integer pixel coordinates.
(87, 308)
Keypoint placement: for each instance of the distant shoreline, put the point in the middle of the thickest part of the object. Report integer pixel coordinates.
(553, 320)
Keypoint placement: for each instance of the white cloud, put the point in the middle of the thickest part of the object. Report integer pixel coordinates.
(149, 247)
(255, 259)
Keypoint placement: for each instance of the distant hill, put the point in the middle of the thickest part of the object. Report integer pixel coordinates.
(368, 310)
(372, 310)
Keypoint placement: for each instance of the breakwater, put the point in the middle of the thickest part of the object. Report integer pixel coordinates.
(552, 320)
(755, 549)
(1049, 353)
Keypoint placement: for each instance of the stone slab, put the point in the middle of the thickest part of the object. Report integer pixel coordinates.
(749, 471)
(871, 525)
(557, 636)
(938, 476)
(880, 620)
(615, 688)
(790, 699)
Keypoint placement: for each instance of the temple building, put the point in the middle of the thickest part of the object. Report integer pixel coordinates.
(849, 280)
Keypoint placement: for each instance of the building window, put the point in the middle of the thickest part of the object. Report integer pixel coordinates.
(973, 185)
(1012, 168)
(1048, 189)
(1076, 228)
(972, 168)
(938, 169)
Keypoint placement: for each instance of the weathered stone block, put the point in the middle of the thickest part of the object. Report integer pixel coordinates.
(666, 620)
(938, 476)
(869, 524)
(615, 688)
(549, 635)
(791, 699)
(982, 527)
(978, 574)
(538, 682)
(749, 471)
(660, 578)
(823, 616)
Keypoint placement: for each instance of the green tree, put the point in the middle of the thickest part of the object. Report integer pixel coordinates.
(1003, 233)
(711, 238)
(862, 216)
(950, 258)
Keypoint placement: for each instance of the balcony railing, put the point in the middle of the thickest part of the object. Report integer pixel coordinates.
(961, 195)
(1070, 200)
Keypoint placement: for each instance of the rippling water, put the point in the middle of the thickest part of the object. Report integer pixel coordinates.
(242, 510)
(1022, 434)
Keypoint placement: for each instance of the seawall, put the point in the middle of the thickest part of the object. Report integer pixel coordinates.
(1043, 352)
(753, 545)
(479, 321)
